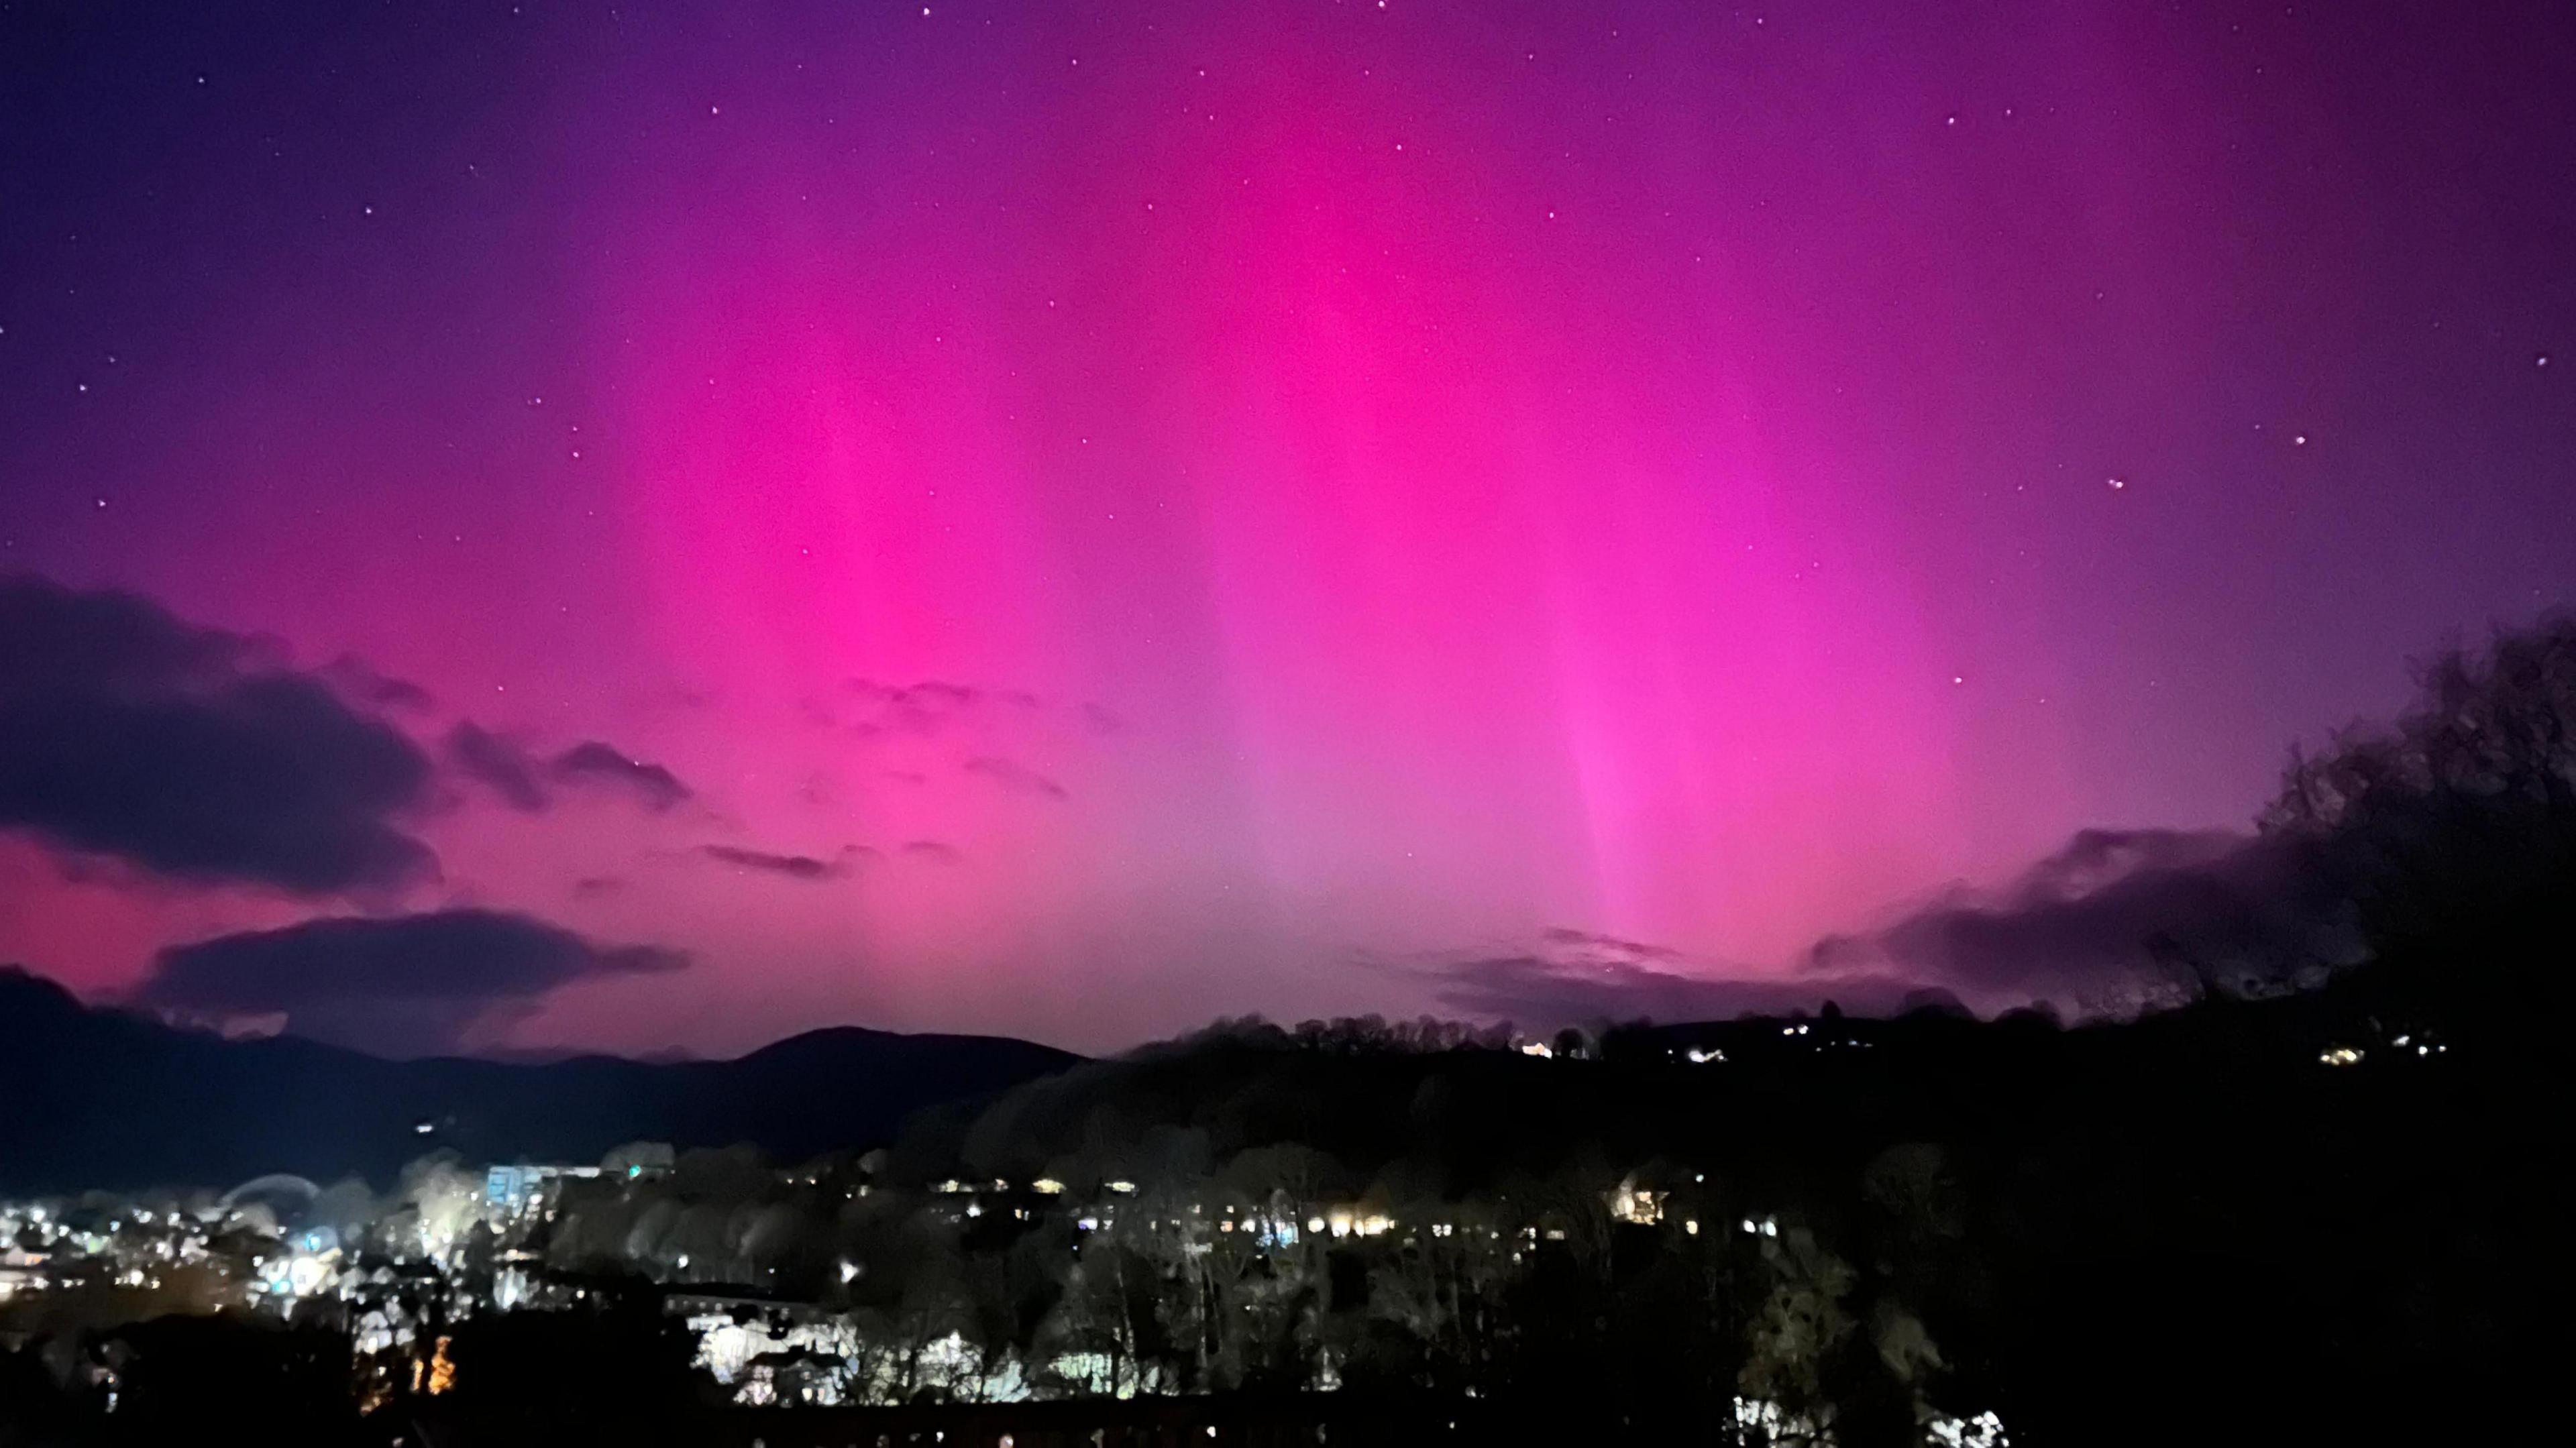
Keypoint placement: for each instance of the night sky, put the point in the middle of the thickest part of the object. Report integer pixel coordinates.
(703, 520)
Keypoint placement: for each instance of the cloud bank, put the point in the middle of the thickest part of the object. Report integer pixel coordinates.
(1015, 776)
(592, 762)
(793, 867)
(529, 784)
(195, 753)
(1572, 977)
(400, 985)
(2117, 911)
(2113, 920)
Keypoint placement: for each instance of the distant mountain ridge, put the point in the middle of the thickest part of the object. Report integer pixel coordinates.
(93, 1097)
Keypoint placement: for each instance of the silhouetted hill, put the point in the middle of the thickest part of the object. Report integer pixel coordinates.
(102, 1098)
(2299, 1217)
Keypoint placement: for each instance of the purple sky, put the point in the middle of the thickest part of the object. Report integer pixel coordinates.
(1102, 515)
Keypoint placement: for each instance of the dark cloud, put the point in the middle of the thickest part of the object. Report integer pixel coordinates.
(1575, 977)
(794, 867)
(591, 762)
(1012, 775)
(522, 780)
(918, 708)
(593, 887)
(933, 851)
(927, 706)
(928, 694)
(195, 753)
(404, 985)
(2114, 920)
(359, 681)
(1101, 720)
(2117, 910)
(495, 762)
(1585, 940)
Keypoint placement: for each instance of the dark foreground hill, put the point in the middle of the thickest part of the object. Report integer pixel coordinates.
(101, 1098)
(2329, 1216)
